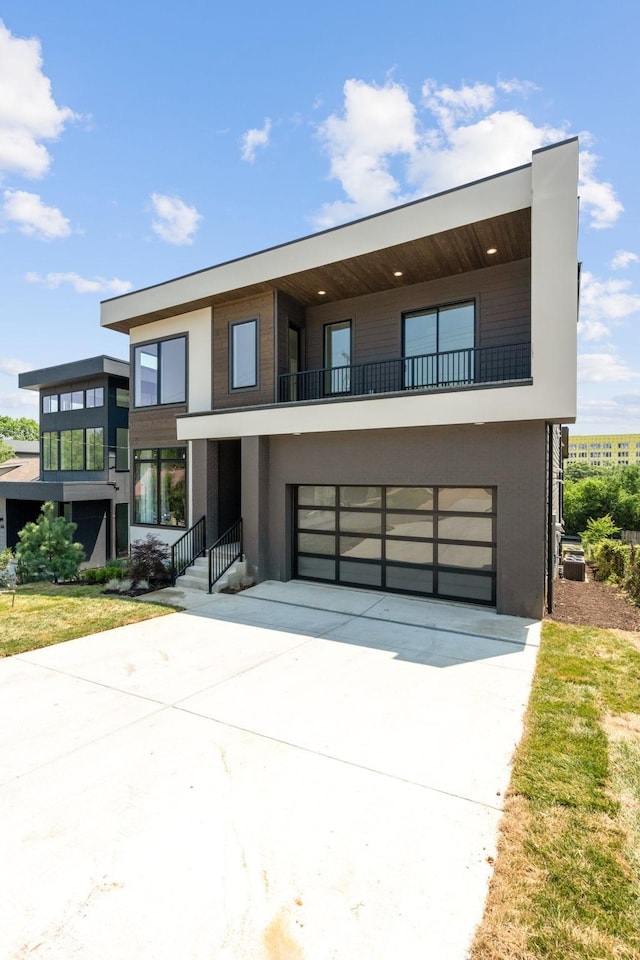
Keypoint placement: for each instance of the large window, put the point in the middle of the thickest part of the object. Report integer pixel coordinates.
(438, 345)
(244, 354)
(337, 357)
(122, 448)
(160, 372)
(159, 486)
(73, 449)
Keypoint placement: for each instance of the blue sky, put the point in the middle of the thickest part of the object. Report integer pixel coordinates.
(143, 141)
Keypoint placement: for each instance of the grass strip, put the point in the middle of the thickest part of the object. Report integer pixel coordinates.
(44, 614)
(566, 884)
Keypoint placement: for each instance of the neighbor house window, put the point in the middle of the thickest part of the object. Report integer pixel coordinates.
(160, 372)
(50, 450)
(94, 452)
(159, 486)
(122, 397)
(244, 354)
(95, 397)
(50, 403)
(122, 448)
(72, 401)
(72, 449)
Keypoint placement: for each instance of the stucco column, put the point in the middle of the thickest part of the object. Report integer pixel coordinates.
(255, 503)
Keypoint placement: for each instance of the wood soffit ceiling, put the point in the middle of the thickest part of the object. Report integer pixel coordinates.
(428, 258)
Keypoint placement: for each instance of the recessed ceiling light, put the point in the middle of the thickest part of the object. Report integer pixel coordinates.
(397, 273)
(492, 250)
(322, 293)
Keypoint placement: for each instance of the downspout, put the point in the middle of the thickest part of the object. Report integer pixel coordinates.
(550, 525)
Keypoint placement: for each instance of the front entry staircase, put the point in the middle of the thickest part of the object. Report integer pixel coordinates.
(218, 567)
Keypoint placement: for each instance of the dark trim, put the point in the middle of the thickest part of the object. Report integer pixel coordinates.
(240, 323)
(132, 386)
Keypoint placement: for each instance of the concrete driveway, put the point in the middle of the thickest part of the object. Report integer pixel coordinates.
(298, 771)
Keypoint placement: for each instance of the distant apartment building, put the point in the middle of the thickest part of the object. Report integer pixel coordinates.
(604, 450)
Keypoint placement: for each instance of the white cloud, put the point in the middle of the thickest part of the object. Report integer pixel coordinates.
(604, 303)
(598, 196)
(80, 284)
(623, 258)
(253, 139)
(384, 149)
(378, 124)
(17, 399)
(28, 112)
(176, 221)
(603, 368)
(34, 217)
(13, 366)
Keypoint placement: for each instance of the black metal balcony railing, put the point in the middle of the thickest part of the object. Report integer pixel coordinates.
(453, 368)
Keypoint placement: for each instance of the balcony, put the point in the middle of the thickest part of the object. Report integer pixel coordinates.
(431, 371)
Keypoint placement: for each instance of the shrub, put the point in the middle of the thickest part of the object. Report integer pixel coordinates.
(150, 561)
(46, 550)
(114, 570)
(7, 574)
(619, 563)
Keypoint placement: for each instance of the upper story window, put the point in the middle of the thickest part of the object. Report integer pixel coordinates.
(94, 397)
(244, 354)
(160, 372)
(122, 397)
(73, 449)
(72, 401)
(436, 344)
(50, 403)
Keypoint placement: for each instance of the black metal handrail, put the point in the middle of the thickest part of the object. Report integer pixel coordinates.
(188, 548)
(452, 368)
(225, 551)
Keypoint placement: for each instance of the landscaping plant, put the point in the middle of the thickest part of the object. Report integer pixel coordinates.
(46, 550)
(150, 561)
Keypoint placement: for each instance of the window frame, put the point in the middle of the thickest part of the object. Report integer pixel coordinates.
(135, 347)
(409, 373)
(256, 354)
(156, 460)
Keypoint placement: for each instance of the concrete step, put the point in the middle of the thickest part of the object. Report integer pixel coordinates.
(196, 576)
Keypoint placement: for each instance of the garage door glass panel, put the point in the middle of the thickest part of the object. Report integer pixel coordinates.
(409, 498)
(409, 525)
(369, 497)
(462, 555)
(368, 574)
(317, 568)
(466, 499)
(324, 543)
(409, 579)
(465, 585)
(409, 551)
(316, 519)
(360, 522)
(465, 528)
(317, 496)
(365, 547)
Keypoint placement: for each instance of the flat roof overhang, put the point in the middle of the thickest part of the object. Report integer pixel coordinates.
(439, 236)
(74, 370)
(58, 491)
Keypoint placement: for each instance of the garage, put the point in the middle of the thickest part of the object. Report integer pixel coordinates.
(431, 541)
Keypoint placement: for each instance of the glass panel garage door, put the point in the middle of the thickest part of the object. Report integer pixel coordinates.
(431, 541)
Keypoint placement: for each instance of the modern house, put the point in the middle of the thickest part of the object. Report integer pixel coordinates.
(605, 449)
(84, 456)
(380, 402)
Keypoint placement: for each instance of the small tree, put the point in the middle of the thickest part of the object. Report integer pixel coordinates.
(46, 550)
(7, 577)
(6, 451)
(149, 560)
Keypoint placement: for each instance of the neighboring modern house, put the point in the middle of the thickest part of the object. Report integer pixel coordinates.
(605, 449)
(84, 457)
(379, 402)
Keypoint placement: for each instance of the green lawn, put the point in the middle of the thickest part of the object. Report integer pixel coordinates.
(44, 613)
(567, 878)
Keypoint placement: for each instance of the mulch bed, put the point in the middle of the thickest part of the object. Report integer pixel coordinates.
(593, 604)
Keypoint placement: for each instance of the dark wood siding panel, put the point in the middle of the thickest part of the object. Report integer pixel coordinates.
(502, 293)
(260, 307)
(154, 427)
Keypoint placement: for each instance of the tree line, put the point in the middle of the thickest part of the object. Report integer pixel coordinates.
(592, 492)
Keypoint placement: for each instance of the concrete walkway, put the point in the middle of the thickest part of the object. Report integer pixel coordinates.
(297, 771)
